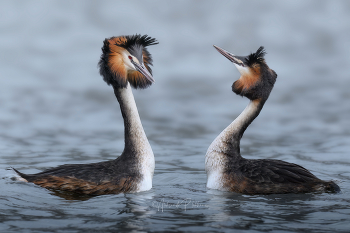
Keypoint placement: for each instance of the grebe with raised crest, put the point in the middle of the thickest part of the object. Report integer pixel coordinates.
(227, 170)
(125, 62)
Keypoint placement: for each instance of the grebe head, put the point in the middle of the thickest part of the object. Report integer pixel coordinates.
(257, 79)
(126, 59)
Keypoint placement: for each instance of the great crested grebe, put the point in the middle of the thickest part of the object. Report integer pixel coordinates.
(227, 170)
(124, 61)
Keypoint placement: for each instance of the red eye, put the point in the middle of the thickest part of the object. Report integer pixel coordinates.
(130, 57)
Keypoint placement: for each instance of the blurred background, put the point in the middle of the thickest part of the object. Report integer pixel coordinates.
(56, 109)
(50, 82)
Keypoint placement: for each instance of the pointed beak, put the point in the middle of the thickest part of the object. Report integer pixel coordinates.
(143, 70)
(230, 56)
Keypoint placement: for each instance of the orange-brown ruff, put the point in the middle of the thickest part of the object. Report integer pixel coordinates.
(227, 170)
(124, 61)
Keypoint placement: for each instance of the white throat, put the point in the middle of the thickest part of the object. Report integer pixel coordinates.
(133, 125)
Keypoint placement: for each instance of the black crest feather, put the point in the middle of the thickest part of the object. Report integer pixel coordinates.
(137, 39)
(257, 57)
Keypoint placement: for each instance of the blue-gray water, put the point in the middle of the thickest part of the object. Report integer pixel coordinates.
(55, 109)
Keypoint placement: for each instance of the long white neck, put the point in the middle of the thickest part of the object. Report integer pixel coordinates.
(226, 147)
(228, 141)
(135, 136)
(137, 147)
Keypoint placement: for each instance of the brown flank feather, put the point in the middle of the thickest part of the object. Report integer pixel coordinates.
(246, 186)
(73, 184)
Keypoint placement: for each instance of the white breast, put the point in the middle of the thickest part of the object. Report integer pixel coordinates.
(147, 165)
(214, 166)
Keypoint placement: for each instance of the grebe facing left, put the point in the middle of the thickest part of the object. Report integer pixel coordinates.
(227, 170)
(124, 61)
